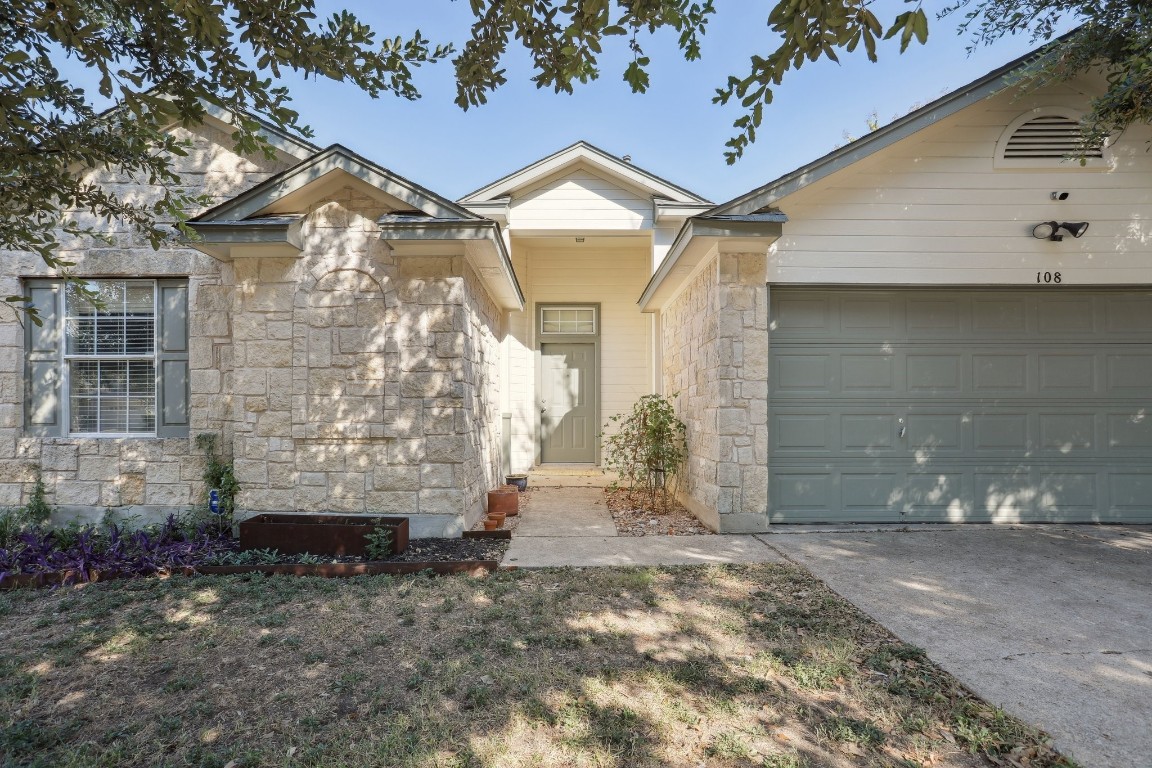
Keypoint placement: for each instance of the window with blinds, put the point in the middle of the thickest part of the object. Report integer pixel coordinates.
(110, 356)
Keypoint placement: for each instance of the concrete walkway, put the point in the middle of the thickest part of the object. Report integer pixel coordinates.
(572, 527)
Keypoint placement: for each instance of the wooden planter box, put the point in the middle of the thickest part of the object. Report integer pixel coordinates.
(326, 535)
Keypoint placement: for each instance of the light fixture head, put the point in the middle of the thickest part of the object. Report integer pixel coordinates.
(1050, 230)
(1075, 228)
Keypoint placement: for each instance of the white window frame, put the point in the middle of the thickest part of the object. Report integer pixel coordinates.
(67, 358)
(563, 307)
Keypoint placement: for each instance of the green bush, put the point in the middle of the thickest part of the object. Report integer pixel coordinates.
(649, 446)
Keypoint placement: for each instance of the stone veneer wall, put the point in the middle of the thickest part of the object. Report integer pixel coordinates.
(715, 337)
(344, 380)
(362, 381)
(149, 477)
(483, 330)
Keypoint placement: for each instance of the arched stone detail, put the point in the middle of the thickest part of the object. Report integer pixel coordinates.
(344, 353)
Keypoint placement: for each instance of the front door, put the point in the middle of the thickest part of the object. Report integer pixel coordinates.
(568, 411)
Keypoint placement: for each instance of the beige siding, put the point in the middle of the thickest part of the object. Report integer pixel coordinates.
(611, 277)
(580, 200)
(933, 210)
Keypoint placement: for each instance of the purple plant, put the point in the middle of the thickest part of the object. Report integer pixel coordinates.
(79, 553)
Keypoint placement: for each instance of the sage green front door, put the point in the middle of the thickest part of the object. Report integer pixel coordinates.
(568, 387)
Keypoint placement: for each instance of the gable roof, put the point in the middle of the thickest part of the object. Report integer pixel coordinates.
(287, 142)
(990, 84)
(243, 221)
(583, 153)
(334, 158)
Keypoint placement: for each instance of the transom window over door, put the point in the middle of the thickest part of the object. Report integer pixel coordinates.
(568, 320)
(110, 354)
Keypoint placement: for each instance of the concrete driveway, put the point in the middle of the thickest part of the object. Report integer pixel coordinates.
(1052, 623)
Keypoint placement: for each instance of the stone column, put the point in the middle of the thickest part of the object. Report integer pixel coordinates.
(742, 392)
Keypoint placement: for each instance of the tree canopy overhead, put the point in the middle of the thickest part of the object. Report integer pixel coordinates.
(163, 61)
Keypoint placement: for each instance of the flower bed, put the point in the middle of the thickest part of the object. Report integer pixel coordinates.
(86, 553)
(39, 556)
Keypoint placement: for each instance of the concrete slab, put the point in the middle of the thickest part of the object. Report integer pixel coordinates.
(1052, 623)
(547, 552)
(565, 512)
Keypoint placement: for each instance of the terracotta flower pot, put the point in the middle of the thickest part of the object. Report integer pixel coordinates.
(490, 524)
(501, 500)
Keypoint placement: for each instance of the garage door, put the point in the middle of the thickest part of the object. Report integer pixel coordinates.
(975, 405)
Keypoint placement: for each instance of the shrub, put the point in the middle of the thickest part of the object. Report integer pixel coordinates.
(649, 446)
(218, 474)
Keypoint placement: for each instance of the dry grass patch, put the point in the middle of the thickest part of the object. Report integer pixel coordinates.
(714, 666)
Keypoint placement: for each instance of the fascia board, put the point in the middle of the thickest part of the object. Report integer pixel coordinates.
(335, 158)
(477, 231)
(218, 238)
(295, 146)
(990, 84)
(695, 239)
(595, 157)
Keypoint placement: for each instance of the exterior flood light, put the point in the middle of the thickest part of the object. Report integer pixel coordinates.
(1050, 230)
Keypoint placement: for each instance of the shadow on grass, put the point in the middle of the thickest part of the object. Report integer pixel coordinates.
(725, 666)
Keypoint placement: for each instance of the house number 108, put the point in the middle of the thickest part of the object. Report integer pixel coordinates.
(1048, 277)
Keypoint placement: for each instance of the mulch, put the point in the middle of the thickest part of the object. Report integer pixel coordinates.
(635, 515)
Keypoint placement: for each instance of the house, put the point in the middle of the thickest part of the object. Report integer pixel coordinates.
(915, 327)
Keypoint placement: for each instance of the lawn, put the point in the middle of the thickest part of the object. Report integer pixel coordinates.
(693, 666)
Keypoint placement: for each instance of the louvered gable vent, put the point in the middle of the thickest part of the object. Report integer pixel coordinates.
(1047, 137)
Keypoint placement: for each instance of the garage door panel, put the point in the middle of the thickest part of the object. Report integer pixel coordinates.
(929, 317)
(1129, 373)
(799, 432)
(1068, 434)
(1064, 373)
(870, 494)
(1131, 496)
(868, 373)
(937, 497)
(1063, 315)
(808, 374)
(957, 405)
(867, 314)
(868, 432)
(1126, 316)
(934, 372)
(1000, 315)
(1130, 432)
(802, 315)
(1000, 432)
(804, 493)
(1066, 495)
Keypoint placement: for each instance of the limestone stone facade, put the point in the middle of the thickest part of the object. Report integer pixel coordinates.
(715, 341)
(345, 379)
(132, 477)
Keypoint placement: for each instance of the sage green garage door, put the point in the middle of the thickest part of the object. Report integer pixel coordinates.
(960, 405)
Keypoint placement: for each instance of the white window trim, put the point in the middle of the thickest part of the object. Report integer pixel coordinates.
(595, 319)
(1042, 163)
(66, 358)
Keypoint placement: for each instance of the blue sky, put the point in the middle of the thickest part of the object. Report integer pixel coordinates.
(673, 130)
